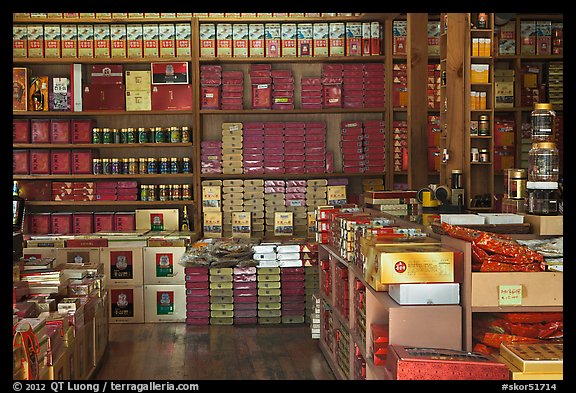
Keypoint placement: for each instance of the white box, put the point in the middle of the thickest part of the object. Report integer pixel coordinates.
(416, 294)
(271, 248)
(123, 266)
(266, 263)
(162, 265)
(126, 304)
(462, 219)
(267, 256)
(164, 303)
(288, 256)
(502, 218)
(291, 263)
(288, 248)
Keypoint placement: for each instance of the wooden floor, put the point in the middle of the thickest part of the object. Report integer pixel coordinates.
(176, 351)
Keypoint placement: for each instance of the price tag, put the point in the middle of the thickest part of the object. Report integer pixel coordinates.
(510, 295)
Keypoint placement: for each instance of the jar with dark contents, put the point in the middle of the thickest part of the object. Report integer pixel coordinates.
(543, 162)
(123, 135)
(175, 135)
(484, 155)
(152, 195)
(164, 166)
(176, 195)
(106, 166)
(163, 192)
(144, 192)
(132, 166)
(96, 166)
(116, 136)
(107, 135)
(185, 137)
(159, 135)
(186, 192)
(125, 166)
(484, 125)
(96, 135)
(142, 165)
(115, 166)
(186, 165)
(131, 135)
(152, 165)
(143, 135)
(542, 198)
(174, 165)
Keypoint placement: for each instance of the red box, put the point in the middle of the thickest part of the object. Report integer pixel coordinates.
(261, 96)
(413, 363)
(103, 222)
(232, 88)
(253, 305)
(60, 162)
(60, 131)
(40, 131)
(81, 161)
(103, 97)
(40, 162)
(204, 284)
(245, 313)
(197, 314)
(82, 130)
(245, 285)
(61, 223)
(20, 131)
(210, 97)
(106, 74)
(171, 97)
(21, 162)
(192, 320)
(83, 222)
(40, 223)
(332, 96)
(125, 221)
(197, 307)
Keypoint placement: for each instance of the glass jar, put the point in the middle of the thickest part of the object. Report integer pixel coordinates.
(163, 192)
(543, 119)
(474, 155)
(123, 135)
(142, 165)
(186, 192)
(132, 166)
(96, 135)
(185, 165)
(152, 165)
(143, 135)
(107, 135)
(483, 125)
(131, 136)
(115, 166)
(144, 192)
(175, 194)
(484, 155)
(116, 135)
(515, 183)
(96, 166)
(543, 162)
(174, 165)
(185, 131)
(164, 166)
(125, 166)
(175, 135)
(106, 166)
(542, 198)
(152, 192)
(159, 135)
(456, 178)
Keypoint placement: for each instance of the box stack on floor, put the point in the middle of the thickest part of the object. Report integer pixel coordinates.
(245, 293)
(269, 295)
(314, 316)
(221, 296)
(197, 283)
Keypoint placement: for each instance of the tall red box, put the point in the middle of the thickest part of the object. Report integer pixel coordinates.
(82, 162)
(40, 223)
(82, 130)
(20, 131)
(60, 162)
(171, 97)
(40, 131)
(414, 363)
(60, 131)
(61, 223)
(40, 162)
(125, 221)
(103, 221)
(21, 162)
(83, 222)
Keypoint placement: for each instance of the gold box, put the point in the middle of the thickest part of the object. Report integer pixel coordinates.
(138, 100)
(534, 357)
(479, 73)
(138, 81)
(518, 375)
(157, 219)
(545, 225)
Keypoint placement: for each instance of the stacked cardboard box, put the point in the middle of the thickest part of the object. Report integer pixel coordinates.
(254, 204)
(274, 146)
(557, 38)
(274, 201)
(331, 78)
(210, 86)
(504, 142)
(240, 40)
(232, 90)
(269, 295)
(372, 184)
(400, 147)
(353, 85)
(314, 316)
(341, 288)
(337, 39)
(282, 89)
(245, 294)
(506, 34)
(504, 88)
(400, 85)
(221, 296)
(207, 40)
(126, 191)
(294, 147)
(311, 93)
(138, 91)
(253, 147)
(433, 86)
(434, 38)
(211, 156)
(256, 39)
(224, 40)
(374, 85)
(293, 294)
(107, 191)
(373, 144)
(403, 203)
(232, 202)
(315, 156)
(261, 81)
(197, 295)
(359, 322)
(232, 139)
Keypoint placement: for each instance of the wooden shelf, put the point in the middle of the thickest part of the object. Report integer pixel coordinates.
(96, 60)
(99, 113)
(402, 109)
(361, 344)
(329, 356)
(108, 203)
(100, 20)
(307, 60)
(291, 111)
(105, 177)
(516, 309)
(286, 175)
(286, 19)
(480, 137)
(95, 145)
(480, 110)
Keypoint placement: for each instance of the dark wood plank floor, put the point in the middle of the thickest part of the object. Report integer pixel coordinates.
(176, 351)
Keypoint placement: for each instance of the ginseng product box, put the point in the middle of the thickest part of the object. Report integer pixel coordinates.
(86, 41)
(69, 40)
(337, 35)
(35, 36)
(256, 39)
(207, 40)
(320, 39)
(118, 40)
(289, 37)
(224, 39)
(135, 43)
(52, 40)
(305, 39)
(240, 40)
(273, 37)
(166, 39)
(19, 41)
(150, 36)
(183, 39)
(101, 40)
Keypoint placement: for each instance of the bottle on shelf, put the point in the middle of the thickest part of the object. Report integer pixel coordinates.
(17, 208)
(185, 220)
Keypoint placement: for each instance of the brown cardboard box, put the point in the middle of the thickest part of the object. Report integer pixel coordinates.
(86, 255)
(545, 225)
(126, 304)
(123, 266)
(157, 219)
(538, 288)
(161, 265)
(165, 303)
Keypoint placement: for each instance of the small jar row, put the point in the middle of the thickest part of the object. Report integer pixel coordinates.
(141, 135)
(143, 165)
(165, 192)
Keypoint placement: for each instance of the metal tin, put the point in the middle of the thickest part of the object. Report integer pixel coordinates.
(175, 135)
(474, 155)
(515, 183)
(132, 166)
(116, 135)
(174, 165)
(456, 179)
(107, 135)
(131, 136)
(163, 194)
(159, 135)
(152, 195)
(142, 165)
(152, 165)
(164, 166)
(106, 167)
(186, 192)
(175, 194)
(96, 166)
(185, 165)
(484, 155)
(96, 135)
(484, 125)
(185, 137)
(144, 192)
(143, 135)
(125, 166)
(115, 166)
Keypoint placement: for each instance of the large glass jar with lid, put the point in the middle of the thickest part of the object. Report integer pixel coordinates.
(543, 162)
(542, 198)
(543, 120)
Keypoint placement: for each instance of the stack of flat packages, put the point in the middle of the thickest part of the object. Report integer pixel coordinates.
(268, 283)
(274, 201)
(292, 280)
(245, 294)
(254, 203)
(232, 139)
(296, 203)
(232, 201)
(212, 208)
(252, 147)
(315, 316)
(197, 295)
(221, 296)
(309, 255)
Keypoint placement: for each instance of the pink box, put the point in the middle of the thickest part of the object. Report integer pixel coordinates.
(352, 151)
(40, 162)
(245, 292)
(60, 162)
(253, 125)
(20, 131)
(261, 96)
(232, 88)
(315, 169)
(253, 157)
(274, 169)
(277, 132)
(315, 144)
(197, 307)
(60, 131)
(21, 162)
(124, 221)
(374, 149)
(40, 223)
(248, 305)
(253, 132)
(314, 157)
(40, 131)
(83, 222)
(82, 130)
(350, 144)
(81, 161)
(255, 170)
(62, 223)
(315, 131)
